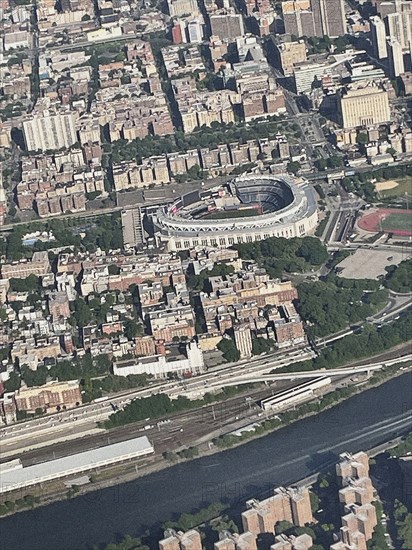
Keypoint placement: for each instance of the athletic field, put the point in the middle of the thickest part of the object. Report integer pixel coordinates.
(388, 220)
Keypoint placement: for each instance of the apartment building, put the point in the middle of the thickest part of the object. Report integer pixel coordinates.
(227, 25)
(236, 541)
(50, 397)
(170, 324)
(48, 130)
(289, 54)
(38, 265)
(243, 338)
(314, 17)
(292, 505)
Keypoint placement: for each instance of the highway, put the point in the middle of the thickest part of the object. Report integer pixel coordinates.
(76, 423)
(78, 427)
(233, 476)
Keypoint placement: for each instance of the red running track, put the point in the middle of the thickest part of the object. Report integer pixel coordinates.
(371, 222)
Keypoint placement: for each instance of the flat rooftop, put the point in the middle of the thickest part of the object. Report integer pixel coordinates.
(74, 464)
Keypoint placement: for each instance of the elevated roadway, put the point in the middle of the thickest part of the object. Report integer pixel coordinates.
(80, 421)
(343, 371)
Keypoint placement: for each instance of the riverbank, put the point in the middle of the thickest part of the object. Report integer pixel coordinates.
(127, 472)
(232, 476)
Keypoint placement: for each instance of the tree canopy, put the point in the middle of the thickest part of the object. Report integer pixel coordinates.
(399, 278)
(278, 255)
(228, 348)
(332, 306)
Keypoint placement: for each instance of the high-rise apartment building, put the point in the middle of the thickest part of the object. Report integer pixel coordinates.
(48, 131)
(190, 540)
(331, 14)
(300, 504)
(289, 54)
(363, 104)
(399, 23)
(314, 17)
(356, 495)
(229, 541)
(384, 7)
(352, 465)
(378, 37)
(395, 54)
(291, 505)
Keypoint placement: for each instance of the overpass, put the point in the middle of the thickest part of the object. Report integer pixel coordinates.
(343, 371)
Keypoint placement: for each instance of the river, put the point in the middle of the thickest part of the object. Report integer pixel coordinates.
(252, 469)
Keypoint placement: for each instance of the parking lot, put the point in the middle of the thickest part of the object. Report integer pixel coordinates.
(369, 264)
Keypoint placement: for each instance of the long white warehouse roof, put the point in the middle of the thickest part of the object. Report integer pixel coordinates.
(74, 464)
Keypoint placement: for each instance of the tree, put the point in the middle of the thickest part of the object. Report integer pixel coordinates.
(312, 251)
(29, 284)
(131, 329)
(261, 345)
(399, 278)
(334, 161)
(228, 348)
(403, 521)
(391, 151)
(400, 511)
(13, 383)
(293, 167)
(314, 502)
(362, 139)
(283, 526)
(321, 164)
(170, 456)
(128, 543)
(82, 314)
(36, 377)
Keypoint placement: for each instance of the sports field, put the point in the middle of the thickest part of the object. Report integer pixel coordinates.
(396, 222)
(388, 220)
(227, 214)
(404, 186)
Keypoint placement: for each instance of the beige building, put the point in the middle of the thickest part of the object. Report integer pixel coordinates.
(39, 265)
(378, 37)
(234, 541)
(400, 23)
(395, 54)
(289, 54)
(50, 397)
(363, 104)
(355, 495)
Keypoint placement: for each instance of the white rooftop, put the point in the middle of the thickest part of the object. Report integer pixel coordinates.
(77, 463)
